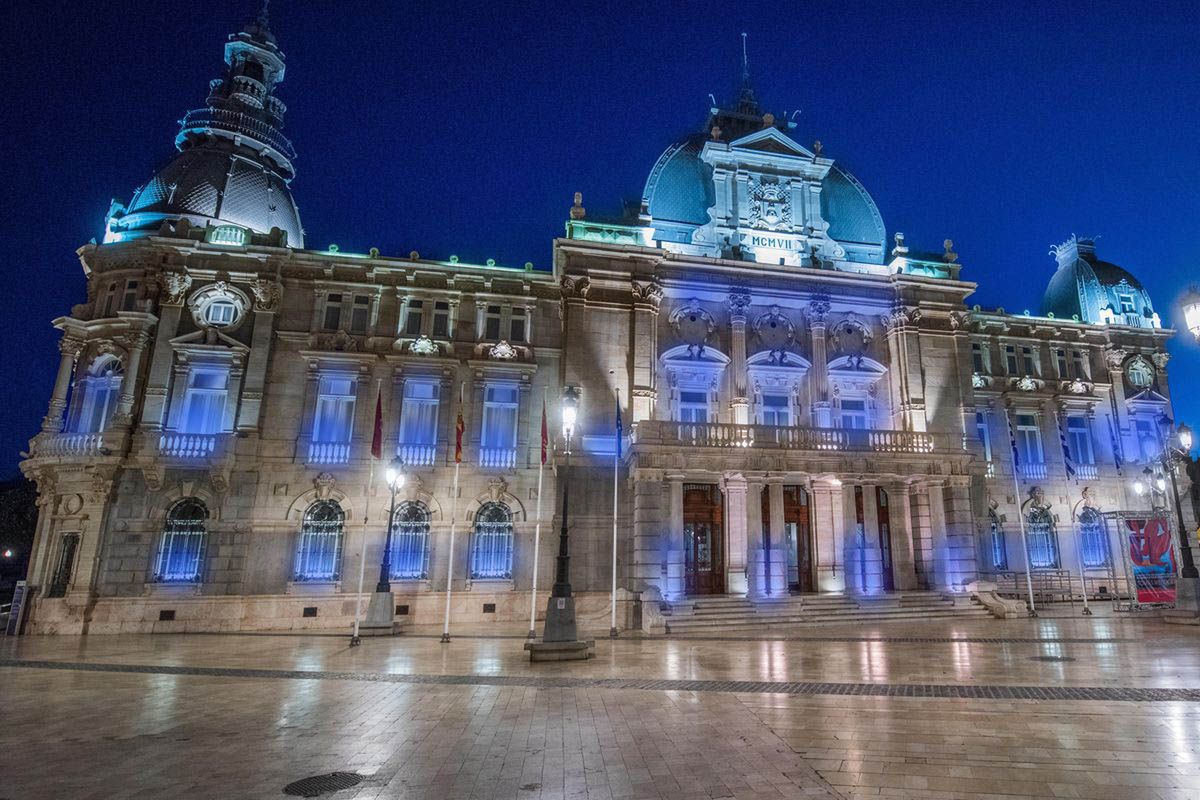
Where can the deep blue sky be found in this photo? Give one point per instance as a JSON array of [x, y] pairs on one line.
[[465, 127]]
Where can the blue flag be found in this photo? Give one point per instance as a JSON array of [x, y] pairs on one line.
[[1012, 440], [619, 431], [1116, 444], [1066, 449]]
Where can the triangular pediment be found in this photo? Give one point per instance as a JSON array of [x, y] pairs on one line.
[[1147, 396], [770, 140]]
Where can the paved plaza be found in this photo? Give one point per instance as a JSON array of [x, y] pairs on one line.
[[1058, 707]]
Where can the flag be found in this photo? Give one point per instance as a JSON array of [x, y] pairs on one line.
[[1012, 441], [459, 427], [1116, 445], [377, 436], [618, 427], [1062, 439], [545, 432]]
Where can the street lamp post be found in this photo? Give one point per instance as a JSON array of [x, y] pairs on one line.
[[1191, 312], [562, 580], [394, 476]]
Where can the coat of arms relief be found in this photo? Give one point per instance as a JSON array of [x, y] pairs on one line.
[[770, 204]]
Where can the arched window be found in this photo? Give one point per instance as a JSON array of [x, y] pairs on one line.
[[181, 551], [98, 394], [996, 532], [1043, 542], [410, 542], [492, 543], [319, 555], [1092, 539]]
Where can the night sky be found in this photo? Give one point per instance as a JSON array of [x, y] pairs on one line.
[[465, 128]]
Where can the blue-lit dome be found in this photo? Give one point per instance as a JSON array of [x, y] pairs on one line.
[[234, 164], [1086, 288]]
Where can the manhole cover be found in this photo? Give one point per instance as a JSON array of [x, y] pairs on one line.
[[318, 785], [1052, 659]]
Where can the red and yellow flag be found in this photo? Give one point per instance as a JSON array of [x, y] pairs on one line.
[[459, 427], [545, 432]]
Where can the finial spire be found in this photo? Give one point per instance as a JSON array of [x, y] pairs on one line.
[[263, 14], [745, 62], [746, 102]]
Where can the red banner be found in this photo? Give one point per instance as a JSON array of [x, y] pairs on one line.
[[1153, 559]]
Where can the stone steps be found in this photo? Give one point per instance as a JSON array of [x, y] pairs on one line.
[[706, 613]]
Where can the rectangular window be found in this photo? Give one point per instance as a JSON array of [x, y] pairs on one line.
[[500, 417], [1029, 439], [517, 325], [110, 299], [1027, 361], [854, 415], [977, 357], [415, 318], [1147, 439], [693, 406], [491, 323], [776, 410], [985, 436], [204, 400], [1010, 359], [333, 312], [1080, 365], [1060, 360], [418, 421], [129, 301], [441, 320], [360, 314], [1126, 302], [334, 421], [1079, 438]]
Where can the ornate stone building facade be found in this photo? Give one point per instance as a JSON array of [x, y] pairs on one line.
[[810, 406]]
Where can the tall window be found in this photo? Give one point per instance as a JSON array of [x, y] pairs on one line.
[[204, 400], [693, 406], [985, 436], [1092, 538], [360, 314], [999, 551], [98, 391], [517, 326], [1147, 439], [854, 415], [1080, 439], [1029, 439], [129, 300], [110, 300], [333, 312], [181, 551], [415, 318], [441, 319], [65, 567], [491, 323], [418, 421], [1060, 360], [1080, 365], [492, 543], [334, 422], [498, 441], [319, 555], [776, 410], [1043, 542], [977, 357], [1027, 361], [1126, 303], [1010, 359], [410, 542]]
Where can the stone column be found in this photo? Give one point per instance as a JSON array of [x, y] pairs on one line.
[[68, 348], [961, 568], [922, 535], [940, 577], [648, 532], [739, 307], [162, 361], [871, 561], [675, 539], [755, 559], [900, 518], [779, 548], [137, 346], [267, 296], [818, 375], [829, 533], [735, 487]]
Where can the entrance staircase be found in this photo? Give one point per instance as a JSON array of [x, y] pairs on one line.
[[721, 611]]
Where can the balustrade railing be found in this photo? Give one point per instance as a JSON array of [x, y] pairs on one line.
[[718, 434], [188, 445], [498, 457], [1086, 472], [72, 444], [328, 452], [417, 455], [1033, 469]]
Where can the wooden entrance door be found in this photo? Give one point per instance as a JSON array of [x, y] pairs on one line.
[[885, 540], [798, 532], [704, 539]]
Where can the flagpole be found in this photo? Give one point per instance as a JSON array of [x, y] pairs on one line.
[[537, 527], [1012, 439], [612, 631], [1069, 469], [458, 431], [355, 640]]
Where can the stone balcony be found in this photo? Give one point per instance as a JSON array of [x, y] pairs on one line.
[[79, 445], [726, 435]]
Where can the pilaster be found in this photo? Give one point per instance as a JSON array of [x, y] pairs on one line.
[[734, 486]]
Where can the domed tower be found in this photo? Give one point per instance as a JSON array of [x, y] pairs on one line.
[[234, 164], [1094, 291]]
